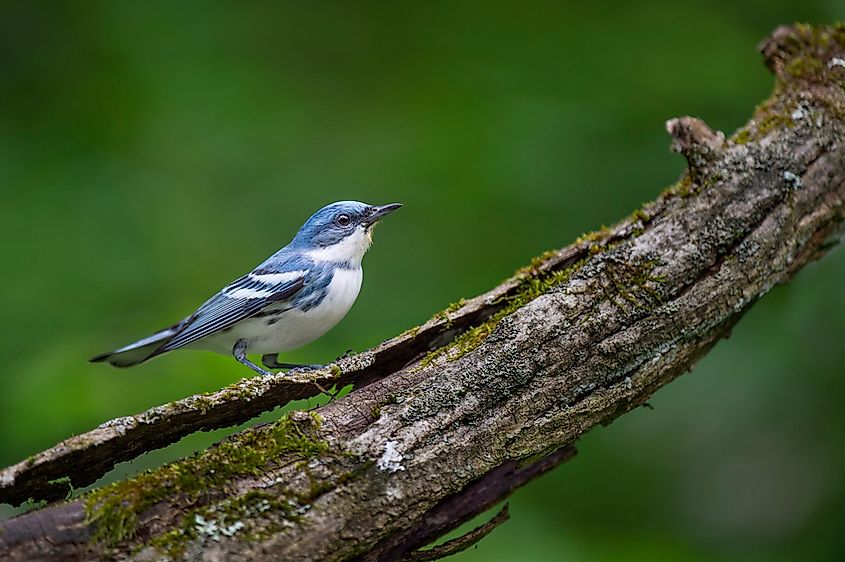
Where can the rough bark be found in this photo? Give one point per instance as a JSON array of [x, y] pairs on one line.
[[427, 439]]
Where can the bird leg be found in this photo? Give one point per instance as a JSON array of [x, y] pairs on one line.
[[239, 351], [271, 361]]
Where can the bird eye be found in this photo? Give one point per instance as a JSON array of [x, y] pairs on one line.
[[343, 220]]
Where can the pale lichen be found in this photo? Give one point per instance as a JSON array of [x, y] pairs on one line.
[[794, 180], [391, 459]]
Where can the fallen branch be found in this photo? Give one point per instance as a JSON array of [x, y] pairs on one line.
[[447, 419], [82, 459]]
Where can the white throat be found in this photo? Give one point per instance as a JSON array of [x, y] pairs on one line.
[[350, 250]]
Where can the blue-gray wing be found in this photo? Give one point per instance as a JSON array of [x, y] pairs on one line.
[[242, 299]]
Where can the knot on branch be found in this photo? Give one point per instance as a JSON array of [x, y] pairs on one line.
[[699, 144], [806, 53]]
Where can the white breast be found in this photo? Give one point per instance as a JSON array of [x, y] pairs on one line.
[[341, 294], [295, 328]]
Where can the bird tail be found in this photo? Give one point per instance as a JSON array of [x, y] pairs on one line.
[[139, 351]]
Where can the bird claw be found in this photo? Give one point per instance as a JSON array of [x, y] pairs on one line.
[[304, 368], [271, 361]]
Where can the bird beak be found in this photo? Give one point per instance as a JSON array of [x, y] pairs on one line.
[[379, 212]]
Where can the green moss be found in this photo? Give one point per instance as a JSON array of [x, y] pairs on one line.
[[319, 486], [412, 332], [683, 188], [62, 482], [687, 186], [225, 519], [455, 306], [771, 121], [633, 284], [238, 391], [534, 266], [639, 219], [444, 314], [203, 403], [253, 516], [390, 399], [809, 48], [803, 67], [113, 510], [173, 542], [641, 215], [594, 237], [538, 261], [800, 57], [742, 136], [533, 283], [770, 115]]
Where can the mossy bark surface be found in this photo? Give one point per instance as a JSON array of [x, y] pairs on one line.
[[448, 418]]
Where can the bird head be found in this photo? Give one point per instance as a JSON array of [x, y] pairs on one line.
[[341, 231]]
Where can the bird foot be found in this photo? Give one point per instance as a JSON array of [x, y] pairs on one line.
[[271, 361]]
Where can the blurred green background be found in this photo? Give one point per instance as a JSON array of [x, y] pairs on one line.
[[150, 152]]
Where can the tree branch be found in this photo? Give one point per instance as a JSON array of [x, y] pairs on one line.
[[461, 543], [447, 419]]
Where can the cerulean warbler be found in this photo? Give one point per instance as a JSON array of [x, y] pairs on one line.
[[294, 297]]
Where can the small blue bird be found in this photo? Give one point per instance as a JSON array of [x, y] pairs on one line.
[[294, 297]]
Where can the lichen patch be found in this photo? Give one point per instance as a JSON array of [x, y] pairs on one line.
[[391, 459]]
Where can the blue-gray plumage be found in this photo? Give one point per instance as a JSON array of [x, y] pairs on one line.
[[292, 298]]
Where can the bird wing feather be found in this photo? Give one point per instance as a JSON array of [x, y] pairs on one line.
[[230, 306]]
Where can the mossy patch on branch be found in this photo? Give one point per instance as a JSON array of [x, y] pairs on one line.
[[634, 283], [770, 115], [807, 49], [683, 188], [533, 283], [114, 509], [376, 410], [444, 315], [226, 519]]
